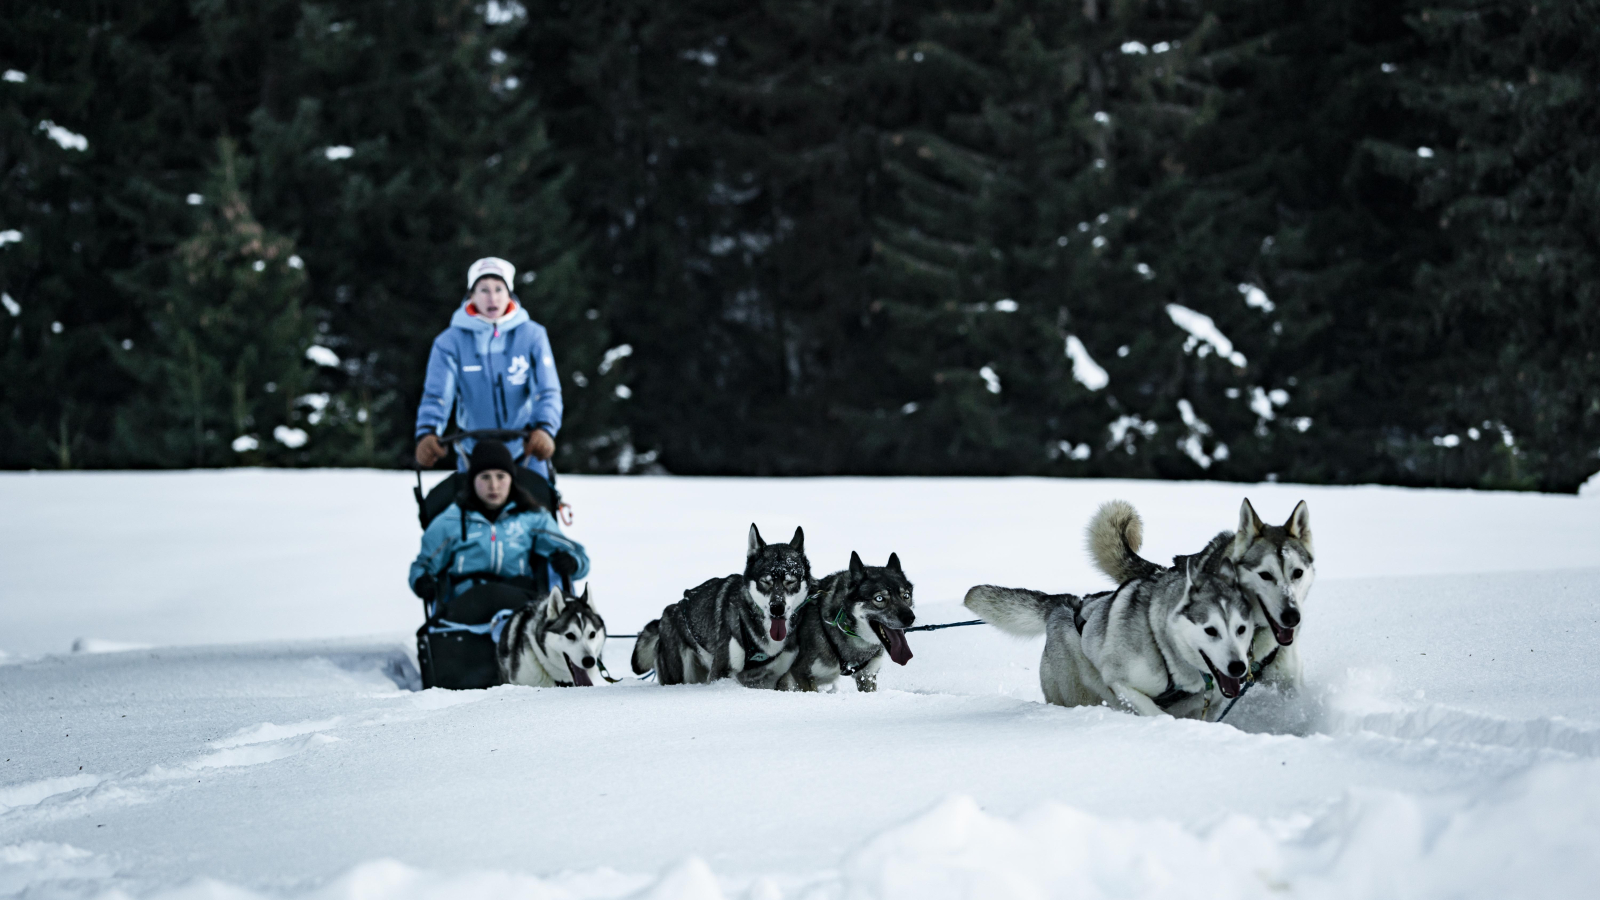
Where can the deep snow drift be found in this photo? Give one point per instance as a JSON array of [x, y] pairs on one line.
[[266, 741]]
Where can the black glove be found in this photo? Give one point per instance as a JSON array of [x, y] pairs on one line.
[[564, 563], [425, 587]]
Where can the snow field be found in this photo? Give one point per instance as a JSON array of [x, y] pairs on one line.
[[1447, 744]]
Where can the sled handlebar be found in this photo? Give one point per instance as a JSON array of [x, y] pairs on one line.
[[484, 434], [497, 434]]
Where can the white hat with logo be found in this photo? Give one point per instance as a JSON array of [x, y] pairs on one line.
[[492, 265]]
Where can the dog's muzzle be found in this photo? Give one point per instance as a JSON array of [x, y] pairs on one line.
[[1284, 634], [780, 625], [580, 678], [1232, 684]]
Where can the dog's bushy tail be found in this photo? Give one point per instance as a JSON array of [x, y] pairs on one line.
[[1115, 534], [644, 647], [1016, 611]]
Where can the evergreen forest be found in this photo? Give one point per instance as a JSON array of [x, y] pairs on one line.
[[1343, 241]]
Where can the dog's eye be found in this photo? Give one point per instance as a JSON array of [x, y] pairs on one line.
[[571, 636], [879, 598], [1212, 631], [1266, 576], [591, 635], [1241, 630], [1298, 573]]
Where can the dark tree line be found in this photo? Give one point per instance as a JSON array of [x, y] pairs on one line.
[[1331, 242]]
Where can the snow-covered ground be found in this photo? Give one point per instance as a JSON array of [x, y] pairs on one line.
[[254, 733]]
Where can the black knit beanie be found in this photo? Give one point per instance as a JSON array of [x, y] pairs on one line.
[[488, 455]]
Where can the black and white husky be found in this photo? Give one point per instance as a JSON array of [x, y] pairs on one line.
[[849, 623], [1167, 641], [733, 626], [554, 641]]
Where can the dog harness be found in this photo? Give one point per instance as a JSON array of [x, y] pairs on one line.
[[1173, 694], [838, 622]]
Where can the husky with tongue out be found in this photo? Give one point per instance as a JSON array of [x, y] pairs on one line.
[[732, 626], [556, 641], [852, 620], [1168, 641]]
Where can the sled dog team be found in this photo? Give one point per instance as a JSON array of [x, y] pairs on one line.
[[1174, 640]]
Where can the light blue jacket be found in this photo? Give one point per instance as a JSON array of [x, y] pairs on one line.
[[495, 376], [500, 547]]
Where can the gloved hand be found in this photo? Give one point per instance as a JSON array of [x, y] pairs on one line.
[[564, 563], [429, 450], [539, 444], [425, 587]]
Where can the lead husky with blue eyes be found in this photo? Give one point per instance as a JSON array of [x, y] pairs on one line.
[[1166, 641], [848, 624], [736, 626]]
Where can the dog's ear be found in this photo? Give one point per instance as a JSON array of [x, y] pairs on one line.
[[756, 543], [1299, 524], [857, 567], [1250, 527], [798, 542], [894, 564], [556, 601], [585, 598]]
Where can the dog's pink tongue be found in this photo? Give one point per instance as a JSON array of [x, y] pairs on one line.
[[899, 650], [580, 678], [1230, 686], [780, 628]]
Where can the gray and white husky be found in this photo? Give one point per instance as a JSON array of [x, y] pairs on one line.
[[554, 641], [732, 626], [1167, 641], [1275, 566], [850, 622]]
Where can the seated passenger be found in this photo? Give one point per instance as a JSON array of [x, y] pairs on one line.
[[494, 534]]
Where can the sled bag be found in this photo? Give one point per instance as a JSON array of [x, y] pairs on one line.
[[459, 659]]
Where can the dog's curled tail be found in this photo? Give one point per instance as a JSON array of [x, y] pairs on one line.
[[1016, 611], [1115, 534], [644, 647]]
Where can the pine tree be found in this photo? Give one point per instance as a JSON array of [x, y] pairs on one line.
[[1276, 222], [1505, 163], [224, 373], [97, 152]]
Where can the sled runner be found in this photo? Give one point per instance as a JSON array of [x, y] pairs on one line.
[[456, 642]]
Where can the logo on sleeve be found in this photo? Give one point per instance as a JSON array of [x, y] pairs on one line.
[[518, 373]]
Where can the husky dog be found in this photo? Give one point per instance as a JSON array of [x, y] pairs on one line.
[[847, 625], [1162, 642], [554, 641], [738, 625], [1276, 567]]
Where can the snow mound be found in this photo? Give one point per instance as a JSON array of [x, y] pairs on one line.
[[1367, 844]]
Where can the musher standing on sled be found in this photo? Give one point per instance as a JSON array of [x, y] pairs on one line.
[[493, 364]]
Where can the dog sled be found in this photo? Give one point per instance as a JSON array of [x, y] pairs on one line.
[[456, 641]]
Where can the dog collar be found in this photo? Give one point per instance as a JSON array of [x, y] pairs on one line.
[[838, 622]]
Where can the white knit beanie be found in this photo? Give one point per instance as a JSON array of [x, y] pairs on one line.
[[493, 265]]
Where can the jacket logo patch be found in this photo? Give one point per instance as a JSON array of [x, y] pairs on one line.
[[518, 373]]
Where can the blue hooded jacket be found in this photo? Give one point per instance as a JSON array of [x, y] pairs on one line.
[[499, 547], [496, 376]]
